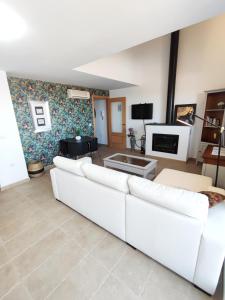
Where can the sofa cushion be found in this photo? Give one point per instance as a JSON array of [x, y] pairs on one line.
[[71, 165], [216, 190], [185, 202], [111, 178], [214, 198], [184, 180]]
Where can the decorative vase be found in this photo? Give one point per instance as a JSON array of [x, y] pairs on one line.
[[132, 141], [78, 137]]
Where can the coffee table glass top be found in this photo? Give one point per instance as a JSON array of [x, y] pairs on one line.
[[130, 160]]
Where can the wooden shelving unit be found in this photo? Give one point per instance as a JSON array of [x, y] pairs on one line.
[[215, 114]]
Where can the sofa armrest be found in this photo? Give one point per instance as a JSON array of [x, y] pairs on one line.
[[54, 183], [212, 250], [71, 165]]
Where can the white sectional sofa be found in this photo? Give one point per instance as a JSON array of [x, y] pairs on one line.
[[170, 224]]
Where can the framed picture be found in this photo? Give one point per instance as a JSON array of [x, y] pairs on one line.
[[41, 115], [41, 121], [186, 113], [39, 110]]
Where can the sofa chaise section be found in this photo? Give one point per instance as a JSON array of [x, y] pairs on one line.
[[184, 180]]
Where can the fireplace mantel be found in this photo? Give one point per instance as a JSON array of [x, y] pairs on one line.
[[183, 145]]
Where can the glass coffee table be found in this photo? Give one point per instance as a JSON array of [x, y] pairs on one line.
[[132, 164]]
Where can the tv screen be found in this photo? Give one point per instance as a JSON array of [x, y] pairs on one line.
[[142, 111]]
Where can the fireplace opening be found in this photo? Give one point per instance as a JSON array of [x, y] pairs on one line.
[[167, 143]]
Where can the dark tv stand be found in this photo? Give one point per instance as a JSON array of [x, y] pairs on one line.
[[73, 148]]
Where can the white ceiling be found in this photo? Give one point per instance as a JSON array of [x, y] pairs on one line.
[[63, 35]]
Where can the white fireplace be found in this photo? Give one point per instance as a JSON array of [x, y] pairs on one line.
[[169, 141]]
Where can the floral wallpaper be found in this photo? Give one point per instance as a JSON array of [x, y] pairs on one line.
[[67, 115]]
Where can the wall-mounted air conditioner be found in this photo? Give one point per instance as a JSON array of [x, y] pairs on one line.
[[77, 94]]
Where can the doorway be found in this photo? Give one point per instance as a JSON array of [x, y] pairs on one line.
[[101, 121], [109, 116], [117, 122]]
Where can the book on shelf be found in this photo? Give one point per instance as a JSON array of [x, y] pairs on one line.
[[216, 149]]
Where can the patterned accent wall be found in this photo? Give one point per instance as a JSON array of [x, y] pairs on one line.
[[67, 115]]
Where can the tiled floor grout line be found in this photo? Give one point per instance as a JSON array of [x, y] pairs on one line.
[[114, 275], [73, 217], [23, 230], [145, 283], [14, 287], [10, 290], [36, 242], [110, 273], [30, 246], [99, 287], [22, 279], [28, 292], [16, 219], [112, 268], [20, 232], [121, 281], [81, 260], [66, 276], [58, 227], [9, 212]]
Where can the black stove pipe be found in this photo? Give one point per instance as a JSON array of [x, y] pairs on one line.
[[174, 44]]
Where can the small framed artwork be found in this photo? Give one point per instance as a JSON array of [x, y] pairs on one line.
[[41, 115], [39, 110], [41, 121], [185, 113]]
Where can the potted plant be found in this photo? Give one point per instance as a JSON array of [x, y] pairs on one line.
[[78, 137]]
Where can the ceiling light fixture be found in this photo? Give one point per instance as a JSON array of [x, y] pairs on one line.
[[12, 26]]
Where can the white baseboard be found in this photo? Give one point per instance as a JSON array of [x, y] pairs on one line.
[[6, 187]]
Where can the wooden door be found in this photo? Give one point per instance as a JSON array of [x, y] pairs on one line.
[[117, 122]]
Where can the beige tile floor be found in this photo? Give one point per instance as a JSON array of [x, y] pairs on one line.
[[48, 251]]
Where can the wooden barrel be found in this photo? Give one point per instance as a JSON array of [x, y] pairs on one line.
[[35, 168]]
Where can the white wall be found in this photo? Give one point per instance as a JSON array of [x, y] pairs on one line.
[[12, 163], [120, 67], [201, 67], [151, 62]]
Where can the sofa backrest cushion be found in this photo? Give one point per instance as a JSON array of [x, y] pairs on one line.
[[111, 178], [185, 202], [71, 165]]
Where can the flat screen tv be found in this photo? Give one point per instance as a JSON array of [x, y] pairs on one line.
[[142, 111]]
